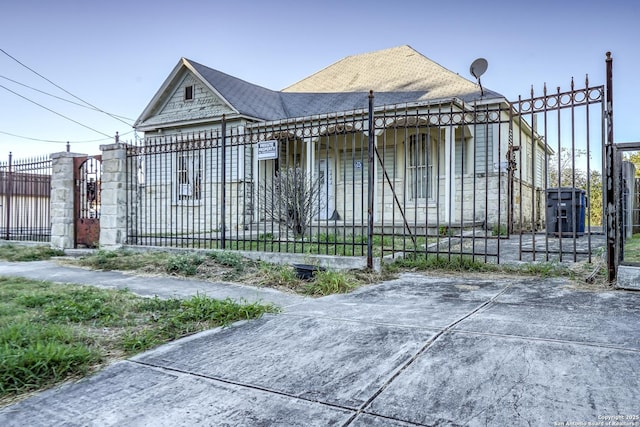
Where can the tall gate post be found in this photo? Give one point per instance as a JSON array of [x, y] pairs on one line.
[[63, 200], [611, 220], [8, 190], [223, 173], [371, 183], [113, 211]]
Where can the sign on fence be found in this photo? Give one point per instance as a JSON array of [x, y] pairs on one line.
[[268, 150]]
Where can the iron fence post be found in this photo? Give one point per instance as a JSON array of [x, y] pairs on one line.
[[370, 184], [223, 173], [8, 195], [611, 222]]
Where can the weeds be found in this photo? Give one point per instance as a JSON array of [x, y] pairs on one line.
[[20, 253], [468, 264], [327, 282], [174, 318], [50, 333], [499, 230], [279, 276], [441, 262], [121, 259], [184, 264], [544, 269], [229, 259], [35, 355]]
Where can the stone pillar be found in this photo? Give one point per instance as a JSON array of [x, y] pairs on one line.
[[62, 200], [113, 196]]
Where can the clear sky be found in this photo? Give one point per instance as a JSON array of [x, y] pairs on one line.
[[115, 54]]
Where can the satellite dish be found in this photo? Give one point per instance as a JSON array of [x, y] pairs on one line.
[[478, 68]]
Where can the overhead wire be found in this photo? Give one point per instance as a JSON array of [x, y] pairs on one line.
[[62, 142], [54, 112], [65, 91], [58, 97]]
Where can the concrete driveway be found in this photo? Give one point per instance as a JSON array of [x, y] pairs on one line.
[[414, 351]]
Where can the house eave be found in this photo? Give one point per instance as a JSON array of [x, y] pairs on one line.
[[415, 105], [198, 122]]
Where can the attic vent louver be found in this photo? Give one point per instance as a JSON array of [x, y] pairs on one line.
[[188, 93]]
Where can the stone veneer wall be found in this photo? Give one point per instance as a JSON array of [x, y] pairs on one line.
[[62, 200], [115, 187]]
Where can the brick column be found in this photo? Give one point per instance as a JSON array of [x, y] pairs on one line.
[[62, 200], [113, 196]]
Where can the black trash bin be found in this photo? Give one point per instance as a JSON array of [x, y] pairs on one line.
[[566, 208]]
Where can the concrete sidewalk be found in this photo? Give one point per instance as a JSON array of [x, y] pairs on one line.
[[413, 351]]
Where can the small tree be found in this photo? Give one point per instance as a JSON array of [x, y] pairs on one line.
[[635, 159], [294, 198]]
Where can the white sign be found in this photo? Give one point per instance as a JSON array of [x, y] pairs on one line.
[[267, 150]]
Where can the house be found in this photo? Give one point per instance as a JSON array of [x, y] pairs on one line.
[[447, 151]]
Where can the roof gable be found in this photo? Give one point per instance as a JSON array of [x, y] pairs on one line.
[[169, 107], [174, 108]]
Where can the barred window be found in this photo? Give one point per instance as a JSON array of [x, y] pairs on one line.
[[189, 176], [420, 168]]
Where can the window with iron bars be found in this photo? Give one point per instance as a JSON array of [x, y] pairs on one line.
[[420, 157], [189, 176]]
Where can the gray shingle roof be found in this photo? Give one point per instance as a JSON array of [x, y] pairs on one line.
[[266, 104], [397, 76], [256, 101], [249, 99]]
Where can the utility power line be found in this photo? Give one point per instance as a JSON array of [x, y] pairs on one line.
[[61, 142], [65, 91], [60, 98], [55, 112]]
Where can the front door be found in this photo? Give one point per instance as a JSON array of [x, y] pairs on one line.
[[324, 168]]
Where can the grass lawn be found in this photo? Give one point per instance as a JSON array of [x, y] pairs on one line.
[[632, 249], [50, 333], [226, 266]]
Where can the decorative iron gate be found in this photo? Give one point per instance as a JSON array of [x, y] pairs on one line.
[[87, 176]]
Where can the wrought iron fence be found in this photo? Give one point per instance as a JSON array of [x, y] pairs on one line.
[[25, 192], [491, 180]]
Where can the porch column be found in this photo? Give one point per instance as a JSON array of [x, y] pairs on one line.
[[449, 178], [62, 200], [310, 145], [310, 161], [113, 209]]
